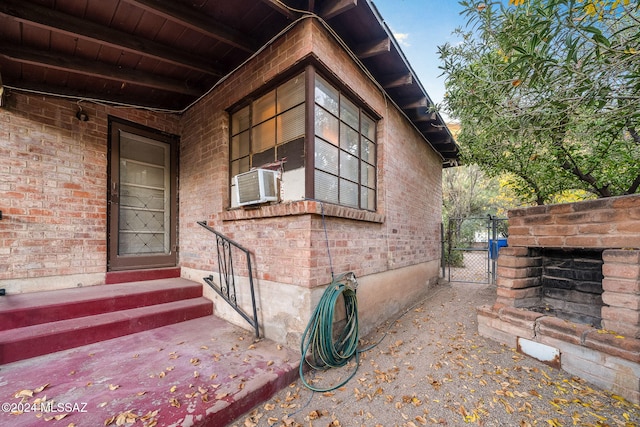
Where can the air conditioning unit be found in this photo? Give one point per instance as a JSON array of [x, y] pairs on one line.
[[256, 186]]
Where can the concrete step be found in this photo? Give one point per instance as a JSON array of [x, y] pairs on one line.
[[201, 372], [20, 310], [46, 338], [41, 323]]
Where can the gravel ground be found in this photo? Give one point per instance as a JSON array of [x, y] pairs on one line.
[[432, 368]]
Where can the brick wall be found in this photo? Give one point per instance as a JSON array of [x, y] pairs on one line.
[[607, 356], [603, 223], [289, 249], [53, 183]]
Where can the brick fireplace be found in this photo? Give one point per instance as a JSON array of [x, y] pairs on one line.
[[569, 284]]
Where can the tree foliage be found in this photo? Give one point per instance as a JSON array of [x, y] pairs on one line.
[[549, 91]]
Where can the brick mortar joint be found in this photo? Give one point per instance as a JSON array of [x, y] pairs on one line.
[[502, 311]]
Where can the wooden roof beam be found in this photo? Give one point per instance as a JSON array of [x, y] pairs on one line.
[[25, 12], [176, 12], [279, 6], [377, 47], [93, 69], [396, 80], [334, 8]]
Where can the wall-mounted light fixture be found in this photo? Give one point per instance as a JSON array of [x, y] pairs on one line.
[[81, 115]]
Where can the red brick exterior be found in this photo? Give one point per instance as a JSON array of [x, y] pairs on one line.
[[53, 184], [289, 239]]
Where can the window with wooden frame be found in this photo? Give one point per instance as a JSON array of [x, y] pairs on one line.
[[339, 146]]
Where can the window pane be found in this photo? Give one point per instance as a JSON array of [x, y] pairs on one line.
[[264, 136], [327, 125], [326, 156], [240, 121], [259, 160], [326, 187], [291, 125], [368, 127], [264, 108], [367, 198], [348, 166], [240, 145], [348, 139], [326, 95], [348, 193], [368, 175], [291, 93], [368, 153], [239, 166], [349, 113]]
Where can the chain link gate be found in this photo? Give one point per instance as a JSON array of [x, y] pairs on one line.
[[470, 248]]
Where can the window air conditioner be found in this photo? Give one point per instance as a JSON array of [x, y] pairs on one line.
[[256, 186]]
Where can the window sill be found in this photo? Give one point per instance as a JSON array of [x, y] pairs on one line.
[[302, 207]]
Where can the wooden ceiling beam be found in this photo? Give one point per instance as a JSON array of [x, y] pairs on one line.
[[334, 8], [31, 13], [279, 6], [94, 69], [377, 47], [397, 80], [119, 98], [176, 12]]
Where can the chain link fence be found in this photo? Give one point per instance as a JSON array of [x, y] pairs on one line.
[[471, 247]]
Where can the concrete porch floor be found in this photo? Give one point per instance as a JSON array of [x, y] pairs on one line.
[[202, 372]]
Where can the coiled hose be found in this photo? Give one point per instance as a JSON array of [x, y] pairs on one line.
[[317, 338]]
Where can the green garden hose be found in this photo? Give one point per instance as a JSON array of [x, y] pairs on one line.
[[318, 337]]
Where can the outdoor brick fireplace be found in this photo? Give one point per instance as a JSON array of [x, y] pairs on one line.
[[569, 284]]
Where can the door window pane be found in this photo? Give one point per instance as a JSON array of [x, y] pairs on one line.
[[144, 212]]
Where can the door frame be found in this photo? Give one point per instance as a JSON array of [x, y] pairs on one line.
[[115, 262]]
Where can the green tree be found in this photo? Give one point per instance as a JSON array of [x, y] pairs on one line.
[[548, 91]]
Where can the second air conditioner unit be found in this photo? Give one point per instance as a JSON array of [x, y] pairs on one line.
[[256, 186]]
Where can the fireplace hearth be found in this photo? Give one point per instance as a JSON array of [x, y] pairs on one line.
[[570, 280], [571, 284]]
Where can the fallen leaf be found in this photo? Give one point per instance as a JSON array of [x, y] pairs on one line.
[[39, 389], [23, 393]]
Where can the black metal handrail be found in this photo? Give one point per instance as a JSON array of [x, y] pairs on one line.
[[227, 277]]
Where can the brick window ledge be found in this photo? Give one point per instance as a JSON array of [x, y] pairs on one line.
[[302, 207]]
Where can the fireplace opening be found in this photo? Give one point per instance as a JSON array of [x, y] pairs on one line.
[[572, 285]]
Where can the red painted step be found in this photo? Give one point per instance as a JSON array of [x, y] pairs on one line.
[[20, 310], [22, 343], [40, 323]]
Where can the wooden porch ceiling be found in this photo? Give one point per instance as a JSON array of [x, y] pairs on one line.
[[164, 54]]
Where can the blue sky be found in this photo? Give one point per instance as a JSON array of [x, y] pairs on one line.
[[420, 26]]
